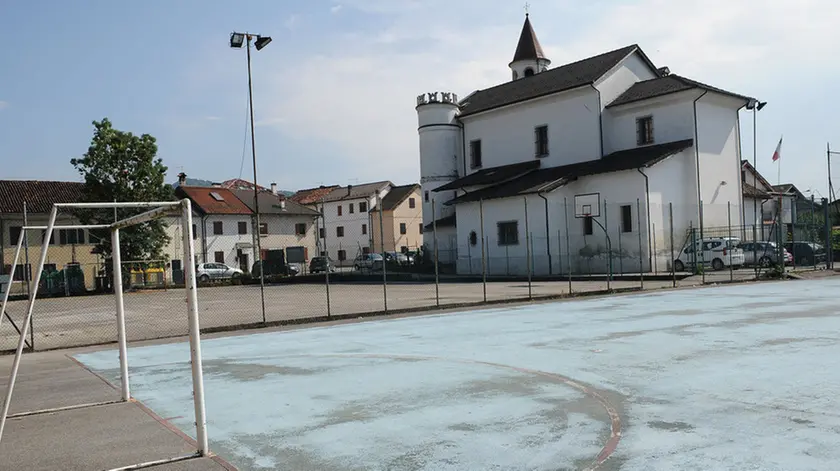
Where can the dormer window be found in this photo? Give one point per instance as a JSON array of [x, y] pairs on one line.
[[529, 72], [644, 130]]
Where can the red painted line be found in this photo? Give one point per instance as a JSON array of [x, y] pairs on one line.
[[615, 419]]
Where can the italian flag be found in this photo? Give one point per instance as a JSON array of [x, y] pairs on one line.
[[778, 154]]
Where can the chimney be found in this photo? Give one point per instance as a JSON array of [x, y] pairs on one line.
[[182, 179], [349, 189], [282, 204], [663, 71], [274, 188]]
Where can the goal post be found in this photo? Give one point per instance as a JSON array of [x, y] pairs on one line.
[[157, 210]]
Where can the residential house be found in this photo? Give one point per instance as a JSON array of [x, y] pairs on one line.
[[222, 228], [284, 225], [345, 228], [601, 146], [401, 212], [32, 201]]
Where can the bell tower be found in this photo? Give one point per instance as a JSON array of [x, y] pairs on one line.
[[529, 58]]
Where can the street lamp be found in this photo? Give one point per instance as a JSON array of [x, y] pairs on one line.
[[755, 106], [236, 42]]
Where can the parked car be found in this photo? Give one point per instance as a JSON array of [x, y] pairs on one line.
[[369, 261], [806, 253], [321, 265], [717, 252], [274, 268], [766, 253], [396, 257], [216, 271]]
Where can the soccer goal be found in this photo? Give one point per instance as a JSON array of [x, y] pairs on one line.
[[180, 208]]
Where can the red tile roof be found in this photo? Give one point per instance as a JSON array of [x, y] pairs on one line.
[[203, 200], [38, 195], [312, 195]]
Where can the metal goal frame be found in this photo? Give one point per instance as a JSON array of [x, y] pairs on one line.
[[160, 209]]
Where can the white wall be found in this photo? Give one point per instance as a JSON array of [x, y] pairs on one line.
[[357, 228], [507, 134], [441, 153], [281, 233], [225, 243], [587, 252], [719, 151], [673, 120], [615, 82]]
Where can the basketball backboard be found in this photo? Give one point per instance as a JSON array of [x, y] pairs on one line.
[[588, 205]]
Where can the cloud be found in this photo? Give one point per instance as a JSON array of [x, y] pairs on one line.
[[357, 89], [336, 8], [4, 104]]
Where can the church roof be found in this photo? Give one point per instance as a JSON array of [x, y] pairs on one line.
[[549, 179], [528, 47], [489, 176], [664, 86], [558, 79]]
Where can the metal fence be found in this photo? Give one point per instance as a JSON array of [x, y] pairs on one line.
[[542, 251]]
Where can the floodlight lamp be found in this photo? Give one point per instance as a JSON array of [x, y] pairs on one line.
[[761, 104], [261, 42], [236, 40]]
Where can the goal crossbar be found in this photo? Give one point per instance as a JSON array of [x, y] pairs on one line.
[[160, 209]]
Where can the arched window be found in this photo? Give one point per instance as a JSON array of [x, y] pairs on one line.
[[473, 238], [529, 72]]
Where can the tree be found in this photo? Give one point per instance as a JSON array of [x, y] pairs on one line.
[[120, 166]]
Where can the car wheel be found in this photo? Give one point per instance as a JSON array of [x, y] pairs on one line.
[[356, 267], [717, 264], [236, 276], [204, 278], [764, 262], [679, 266]]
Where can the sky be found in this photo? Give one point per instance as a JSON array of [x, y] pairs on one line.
[[334, 93]]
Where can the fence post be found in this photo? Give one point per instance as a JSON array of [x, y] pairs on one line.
[[507, 261], [671, 224], [559, 253], [528, 239], [827, 227], [483, 250], [568, 245], [328, 262], [434, 235], [469, 255], [620, 253], [653, 255], [27, 273], [609, 246], [641, 251], [729, 225], [702, 248], [384, 264]]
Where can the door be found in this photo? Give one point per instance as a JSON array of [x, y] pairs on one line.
[[244, 264]]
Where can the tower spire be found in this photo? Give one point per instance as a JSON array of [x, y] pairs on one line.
[[529, 57]]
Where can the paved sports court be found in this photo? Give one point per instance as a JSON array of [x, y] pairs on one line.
[[735, 377]]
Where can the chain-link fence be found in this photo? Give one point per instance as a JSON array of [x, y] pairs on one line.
[[535, 248]]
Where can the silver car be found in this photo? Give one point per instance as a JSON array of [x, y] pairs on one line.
[[216, 271], [767, 253]]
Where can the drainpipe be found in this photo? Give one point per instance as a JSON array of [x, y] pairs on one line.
[[600, 120], [647, 202], [547, 232], [464, 147], [697, 162]]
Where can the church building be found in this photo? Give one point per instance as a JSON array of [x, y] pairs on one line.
[[561, 166]]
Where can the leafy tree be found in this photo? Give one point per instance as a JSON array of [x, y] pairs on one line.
[[120, 166]]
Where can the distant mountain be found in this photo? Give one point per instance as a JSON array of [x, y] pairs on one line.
[[194, 182]]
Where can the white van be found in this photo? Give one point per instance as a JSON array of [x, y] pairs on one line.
[[717, 252]]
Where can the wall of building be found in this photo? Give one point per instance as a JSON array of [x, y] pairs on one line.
[[615, 82], [673, 120], [356, 226], [441, 152], [402, 214], [507, 134], [282, 233], [228, 242], [720, 160]]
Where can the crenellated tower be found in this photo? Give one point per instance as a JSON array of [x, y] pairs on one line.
[[440, 149]]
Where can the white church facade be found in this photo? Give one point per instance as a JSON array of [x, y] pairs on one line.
[[612, 136]]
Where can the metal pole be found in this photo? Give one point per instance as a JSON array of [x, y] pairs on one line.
[[258, 255], [483, 249], [655, 264], [568, 244], [609, 246], [671, 223], [327, 256], [827, 226], [729, 225], [755, 198], [620, 254], [195, 330], [437, 273], [382, 245], [26, 322], [27, 273], [527, 247], [641, 250], [702, 247], [116, 259]]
